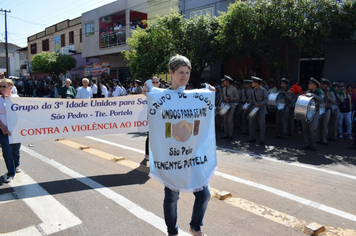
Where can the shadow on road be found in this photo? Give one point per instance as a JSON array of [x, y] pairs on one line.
[[289, 149]]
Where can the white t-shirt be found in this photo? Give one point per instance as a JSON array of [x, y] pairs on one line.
[[84, 92], [3, 109], [104, 91], [117, 91], [94, 89]]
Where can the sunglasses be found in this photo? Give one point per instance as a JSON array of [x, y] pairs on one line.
[[3, 86], [155, 82]]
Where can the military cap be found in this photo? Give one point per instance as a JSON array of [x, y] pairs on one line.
[[247, 81], [228, 78], [336, 84], [256, 79], [237, 83], [138, 81], [285, 80], [325, 81], [314, 81]]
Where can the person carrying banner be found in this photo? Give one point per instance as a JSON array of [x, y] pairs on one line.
[[179, 70], [10, 152]]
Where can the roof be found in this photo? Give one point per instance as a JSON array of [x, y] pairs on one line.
[[9, 46]]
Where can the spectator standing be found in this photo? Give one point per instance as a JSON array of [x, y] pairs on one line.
[[94, 88], [335, 111], [345, 114], [85, 90], [67, 91], [104, 90], [352, 95], [138, 88], [117, 91]]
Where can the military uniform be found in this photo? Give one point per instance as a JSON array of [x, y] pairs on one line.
[[231, 93], [259, 96], [245, 96], [282, 116], [329, 98], [309, 129]]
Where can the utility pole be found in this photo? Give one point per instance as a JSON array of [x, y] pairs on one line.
[[6, 47]]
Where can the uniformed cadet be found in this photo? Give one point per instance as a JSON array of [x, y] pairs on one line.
[[309, 129], [282, 116], [329, 99], [335, 111], [259, 99], [237, 115], [245, 96], [230, 96]]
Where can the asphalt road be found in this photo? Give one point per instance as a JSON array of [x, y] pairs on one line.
[[277, 189]]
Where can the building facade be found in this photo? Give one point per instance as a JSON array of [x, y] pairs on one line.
[[195, 8], [64, 37], [107, 28], [13, 59]]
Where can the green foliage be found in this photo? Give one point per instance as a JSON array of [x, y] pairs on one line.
[[52, 63], [279, 32], [171, 34]]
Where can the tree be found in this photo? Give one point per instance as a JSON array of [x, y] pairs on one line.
[[52, 63], [279, 32], [173, 34]]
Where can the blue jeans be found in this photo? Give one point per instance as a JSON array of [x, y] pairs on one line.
[[11, 154], [170, 209], [347, 117]]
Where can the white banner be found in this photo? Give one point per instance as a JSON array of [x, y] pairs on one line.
[[31, 119], [182, 138]]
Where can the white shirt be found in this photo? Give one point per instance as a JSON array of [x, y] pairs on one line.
[[104, 91], [84, 92], [3, 110], [94, 89], [117, 91], [14, 89]]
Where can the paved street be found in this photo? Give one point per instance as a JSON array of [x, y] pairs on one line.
[[68, 189]]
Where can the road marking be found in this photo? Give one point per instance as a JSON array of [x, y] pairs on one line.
[[39, 200], [330, 230], [130, 206], [116, 145], [272, 190], [292, 197], [292, 163]]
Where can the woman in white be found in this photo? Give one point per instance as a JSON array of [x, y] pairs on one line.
[[10, 152]]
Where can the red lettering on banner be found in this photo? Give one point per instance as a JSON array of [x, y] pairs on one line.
[[65, 129], [39, 131], [94, 126]]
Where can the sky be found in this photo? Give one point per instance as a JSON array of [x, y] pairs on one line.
[[29, 17]]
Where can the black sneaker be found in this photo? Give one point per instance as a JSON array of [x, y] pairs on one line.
[[8, 179]]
